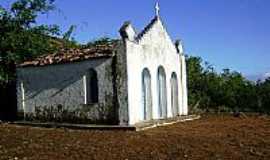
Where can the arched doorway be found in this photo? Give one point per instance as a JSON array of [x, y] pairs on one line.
[[147, 94], [174, 95], [162, 93]]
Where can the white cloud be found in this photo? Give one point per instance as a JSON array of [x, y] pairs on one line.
[[266, 75]]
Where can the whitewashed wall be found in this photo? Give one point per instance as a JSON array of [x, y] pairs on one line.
[[62, 84], [153, 49]]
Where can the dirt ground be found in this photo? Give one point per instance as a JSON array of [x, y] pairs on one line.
[[211, 137]]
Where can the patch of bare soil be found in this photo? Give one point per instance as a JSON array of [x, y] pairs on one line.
[[212, 137]]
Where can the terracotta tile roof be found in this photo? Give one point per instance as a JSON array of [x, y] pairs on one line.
[[72, 55]]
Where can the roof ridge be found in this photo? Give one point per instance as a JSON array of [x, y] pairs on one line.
[[147, 28]]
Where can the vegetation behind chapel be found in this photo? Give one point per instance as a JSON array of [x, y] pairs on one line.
[[228, 91]]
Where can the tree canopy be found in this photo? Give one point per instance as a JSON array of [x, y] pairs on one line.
[[22, 38], [225, 91]]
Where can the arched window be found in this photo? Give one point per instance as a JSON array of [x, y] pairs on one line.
[[174, 95], [91, 87], [147, 94], [162, 92]]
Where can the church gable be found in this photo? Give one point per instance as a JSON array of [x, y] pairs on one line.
[[154, 34]]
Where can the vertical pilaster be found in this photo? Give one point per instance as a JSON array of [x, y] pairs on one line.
[[184, 86]]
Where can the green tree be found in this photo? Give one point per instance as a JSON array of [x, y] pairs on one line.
[[69, 41], [100, 41], [263, 92], [21, 37], [194, 81], [225, 91]]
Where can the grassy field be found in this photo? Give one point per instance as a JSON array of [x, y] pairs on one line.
[[211, 137]]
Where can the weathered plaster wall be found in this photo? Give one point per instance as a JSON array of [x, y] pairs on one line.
[[152, 50], [64, 84], [121, 83]]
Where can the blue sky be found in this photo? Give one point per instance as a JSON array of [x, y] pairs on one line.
[[227, 33]]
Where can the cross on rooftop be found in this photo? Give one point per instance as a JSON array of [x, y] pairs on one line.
[[157, 9]]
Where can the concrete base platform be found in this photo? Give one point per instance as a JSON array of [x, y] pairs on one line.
[[77, 126], [163, 122], [137, 127]]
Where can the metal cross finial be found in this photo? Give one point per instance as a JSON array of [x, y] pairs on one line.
[[157, 9]]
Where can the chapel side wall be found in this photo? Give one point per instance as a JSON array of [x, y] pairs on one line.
[[64, 84], [154, 49]]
